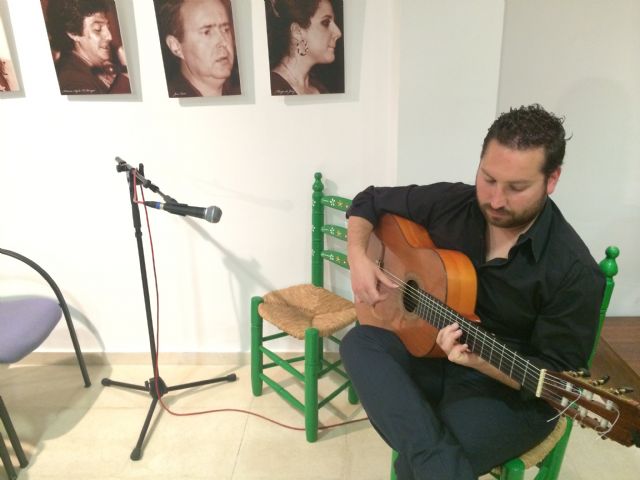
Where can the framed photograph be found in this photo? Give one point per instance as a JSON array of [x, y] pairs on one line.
[[86, 46], [306, 49], [8, 79], [198, 45]]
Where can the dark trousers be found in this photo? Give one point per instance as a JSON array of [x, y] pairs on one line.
[[444, 420]]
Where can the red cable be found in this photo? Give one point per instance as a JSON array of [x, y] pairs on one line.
[[156, 360]]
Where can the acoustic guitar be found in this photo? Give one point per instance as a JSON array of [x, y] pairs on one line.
[[436, 288]]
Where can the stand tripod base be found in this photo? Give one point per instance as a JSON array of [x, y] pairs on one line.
[[156, 392]]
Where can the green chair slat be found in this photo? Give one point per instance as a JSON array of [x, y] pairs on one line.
[[338, 258], [335, 231], [338, 203]]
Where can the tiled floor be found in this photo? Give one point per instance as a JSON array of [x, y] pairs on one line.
[[73, 433]]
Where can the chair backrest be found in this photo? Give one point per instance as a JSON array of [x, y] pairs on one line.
[[610, 268], [320, 229], [31, 337]]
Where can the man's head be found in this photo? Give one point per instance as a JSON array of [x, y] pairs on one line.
[[520, 165], [200, 34], [81, 26]]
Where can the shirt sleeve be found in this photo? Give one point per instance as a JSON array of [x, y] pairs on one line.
[[373, 202], [413, 202]]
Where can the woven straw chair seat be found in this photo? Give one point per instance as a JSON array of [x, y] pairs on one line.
[[294, 309], [540, 451]]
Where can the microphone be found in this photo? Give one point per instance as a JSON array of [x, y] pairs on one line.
[[210, 214]]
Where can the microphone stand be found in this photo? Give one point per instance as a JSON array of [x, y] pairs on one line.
[[155, 386]]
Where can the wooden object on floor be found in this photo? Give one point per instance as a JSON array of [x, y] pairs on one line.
[[618, 354]]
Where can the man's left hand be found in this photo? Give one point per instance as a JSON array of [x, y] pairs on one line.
[[448, 340]]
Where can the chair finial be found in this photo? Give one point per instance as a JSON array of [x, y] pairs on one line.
[[317, 184], [609, 265]]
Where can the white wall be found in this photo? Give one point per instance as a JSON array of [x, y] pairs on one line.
[[449, 69], [581, 59], [464, 62], [254, 156], [423, 83]]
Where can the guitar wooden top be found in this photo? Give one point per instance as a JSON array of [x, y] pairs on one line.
[[405, 250]]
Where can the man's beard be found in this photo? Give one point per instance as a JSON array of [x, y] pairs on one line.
[[504, 218]]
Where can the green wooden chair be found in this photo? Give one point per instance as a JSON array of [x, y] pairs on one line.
[[310, 313], [548, 455]]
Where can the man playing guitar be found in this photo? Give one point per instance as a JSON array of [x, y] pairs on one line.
[[538, 292]]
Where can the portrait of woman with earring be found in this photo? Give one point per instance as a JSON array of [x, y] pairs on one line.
[[304, 34]]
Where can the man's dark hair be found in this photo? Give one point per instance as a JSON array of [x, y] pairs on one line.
[[170, 20], [67, 16], [530, 127]]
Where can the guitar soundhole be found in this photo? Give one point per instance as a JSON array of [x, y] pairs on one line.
[[409, 296]]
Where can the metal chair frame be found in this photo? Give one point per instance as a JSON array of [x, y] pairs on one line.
[[4, 413]]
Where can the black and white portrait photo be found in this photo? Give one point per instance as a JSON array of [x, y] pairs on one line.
[[198, 45], [86, 46], [306, 52]]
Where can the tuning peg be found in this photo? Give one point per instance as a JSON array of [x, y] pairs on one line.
[[621, 390], [600, 381], [581, 373]]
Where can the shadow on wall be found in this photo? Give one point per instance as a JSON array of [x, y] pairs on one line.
[[245, 272]]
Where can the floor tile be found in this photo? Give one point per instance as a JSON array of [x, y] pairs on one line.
[[71, 433]]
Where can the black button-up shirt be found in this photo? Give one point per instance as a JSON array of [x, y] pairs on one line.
[[543, 300]]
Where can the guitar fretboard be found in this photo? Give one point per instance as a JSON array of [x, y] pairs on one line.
[[480, 342]]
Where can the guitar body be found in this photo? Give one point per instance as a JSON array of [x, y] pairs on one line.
[[406, 250]]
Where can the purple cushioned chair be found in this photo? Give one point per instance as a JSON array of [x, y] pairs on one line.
[[25, 322]]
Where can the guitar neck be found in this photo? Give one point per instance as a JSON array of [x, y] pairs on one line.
[[482, 343], [613, 417]]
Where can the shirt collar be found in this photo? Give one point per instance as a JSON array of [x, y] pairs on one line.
[[538, 234]]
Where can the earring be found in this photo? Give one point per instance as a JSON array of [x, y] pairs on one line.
[[302, 48]]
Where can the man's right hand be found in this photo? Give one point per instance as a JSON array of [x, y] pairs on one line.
[[366, 276]]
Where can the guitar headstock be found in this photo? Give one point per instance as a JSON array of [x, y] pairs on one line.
[[592, 405]]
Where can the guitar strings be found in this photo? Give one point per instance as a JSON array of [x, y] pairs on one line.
[[523, 368], [432, 305], [435, 306]]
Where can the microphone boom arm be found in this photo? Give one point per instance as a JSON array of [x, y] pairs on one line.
[[146, 183]]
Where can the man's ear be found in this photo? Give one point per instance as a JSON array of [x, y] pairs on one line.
[[74, 38], [174, 45], [552, 181]]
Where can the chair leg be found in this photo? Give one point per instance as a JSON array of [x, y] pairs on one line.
[[513, 470], [256, 344], [311, 369], [6, 460], [352, 395], [394, 456], [15, 443], [74, 340], [550, 466]]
